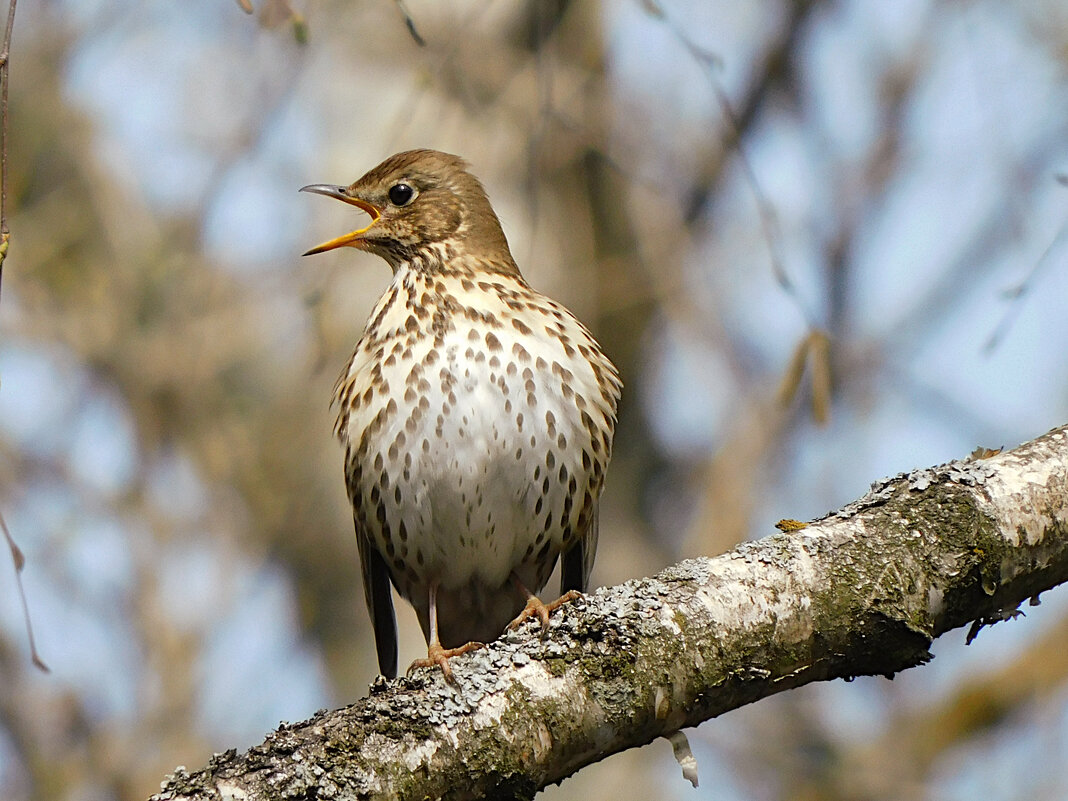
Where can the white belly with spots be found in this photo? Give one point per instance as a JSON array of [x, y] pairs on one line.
[[483, 492], [473, 451]]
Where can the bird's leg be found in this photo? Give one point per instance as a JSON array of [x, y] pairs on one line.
[[535, 607], [436, 654]]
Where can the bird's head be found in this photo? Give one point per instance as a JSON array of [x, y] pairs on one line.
[[422, 203]]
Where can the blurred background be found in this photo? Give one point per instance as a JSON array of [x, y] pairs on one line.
[[824, 241]]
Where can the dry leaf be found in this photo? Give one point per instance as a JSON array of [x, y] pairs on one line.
[[819, 347], [791, 379]]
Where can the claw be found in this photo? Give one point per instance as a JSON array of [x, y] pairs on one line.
[[536, 608], [436, 655]]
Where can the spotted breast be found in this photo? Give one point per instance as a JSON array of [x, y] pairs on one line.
[[477, 418]]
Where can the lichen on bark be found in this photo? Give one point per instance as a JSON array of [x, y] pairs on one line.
[[863, 590]]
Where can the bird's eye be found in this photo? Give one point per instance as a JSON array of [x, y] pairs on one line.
[[400, 194]]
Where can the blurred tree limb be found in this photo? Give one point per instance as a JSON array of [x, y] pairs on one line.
[[17, 559], [5, 52], [862, 591]]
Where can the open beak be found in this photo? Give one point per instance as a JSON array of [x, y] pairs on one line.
[[342, 193]]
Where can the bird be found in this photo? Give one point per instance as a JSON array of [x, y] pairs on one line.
[[476, 415]]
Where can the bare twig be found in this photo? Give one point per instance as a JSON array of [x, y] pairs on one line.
[[410, 23], [1015, 294], [19, 561], [5, 50], [711, 63]]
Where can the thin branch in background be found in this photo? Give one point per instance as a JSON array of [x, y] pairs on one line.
[[19, 561], [653, 8], [419, 40], [768, 219], [1015, 293], [712, 64], [5, 51], [990, 103]]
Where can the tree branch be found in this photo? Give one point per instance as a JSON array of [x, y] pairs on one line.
[[861, 592], [5, 54]]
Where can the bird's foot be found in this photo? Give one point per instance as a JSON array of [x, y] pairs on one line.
[[536, 608], [436, 655]]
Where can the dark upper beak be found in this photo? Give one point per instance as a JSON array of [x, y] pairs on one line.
[[343, 194]]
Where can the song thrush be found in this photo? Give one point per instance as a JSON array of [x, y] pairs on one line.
[[476, 414]]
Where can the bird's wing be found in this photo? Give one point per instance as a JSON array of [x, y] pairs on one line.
[[379, 596], [577, 563]]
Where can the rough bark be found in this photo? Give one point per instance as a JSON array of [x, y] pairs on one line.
[[862, 591]]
